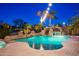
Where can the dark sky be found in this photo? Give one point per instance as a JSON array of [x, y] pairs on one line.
[[27, 12]]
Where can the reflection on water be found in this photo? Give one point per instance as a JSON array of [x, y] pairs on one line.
[[45, 42], [51, 47], [46, 46]]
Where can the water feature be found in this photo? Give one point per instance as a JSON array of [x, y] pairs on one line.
[[45, 42], [57, 33]]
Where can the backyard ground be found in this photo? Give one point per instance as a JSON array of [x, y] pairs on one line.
[[70, 48]]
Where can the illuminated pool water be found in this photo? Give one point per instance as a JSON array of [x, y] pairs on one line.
[[2, 44], [47, 42]]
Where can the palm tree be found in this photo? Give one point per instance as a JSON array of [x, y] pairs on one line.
[[50, 16], [75, 24], [69, 30]]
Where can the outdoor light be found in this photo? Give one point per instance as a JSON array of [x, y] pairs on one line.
[[43, 18], [48, 8], [64, 23], [47, 11], [50, 4]]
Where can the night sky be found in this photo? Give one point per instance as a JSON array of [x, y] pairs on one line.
[[28, 12]]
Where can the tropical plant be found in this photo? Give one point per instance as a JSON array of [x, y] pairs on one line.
[[38, 27], [5, 30], [27, 28], [75, 24], [50, 16], [76, 27]]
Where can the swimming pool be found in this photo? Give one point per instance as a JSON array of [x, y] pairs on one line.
[[47, 42], [2, 44]]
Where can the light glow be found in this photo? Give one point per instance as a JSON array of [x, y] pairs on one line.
[[43, 17], [50, 4], [64, 23], [48, 8]]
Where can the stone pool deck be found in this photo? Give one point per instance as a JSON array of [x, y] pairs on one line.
[[71, 48]]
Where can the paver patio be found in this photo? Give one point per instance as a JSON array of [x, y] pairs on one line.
[[70, 48]]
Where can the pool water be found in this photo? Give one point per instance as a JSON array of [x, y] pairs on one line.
[[47, 42], [2, 44]]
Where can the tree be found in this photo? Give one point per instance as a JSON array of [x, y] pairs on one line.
[[38, 27], [1, 23], [18, 23], [5, 30], [76, 27], [27, 28], [75, 24], [50, 16]]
